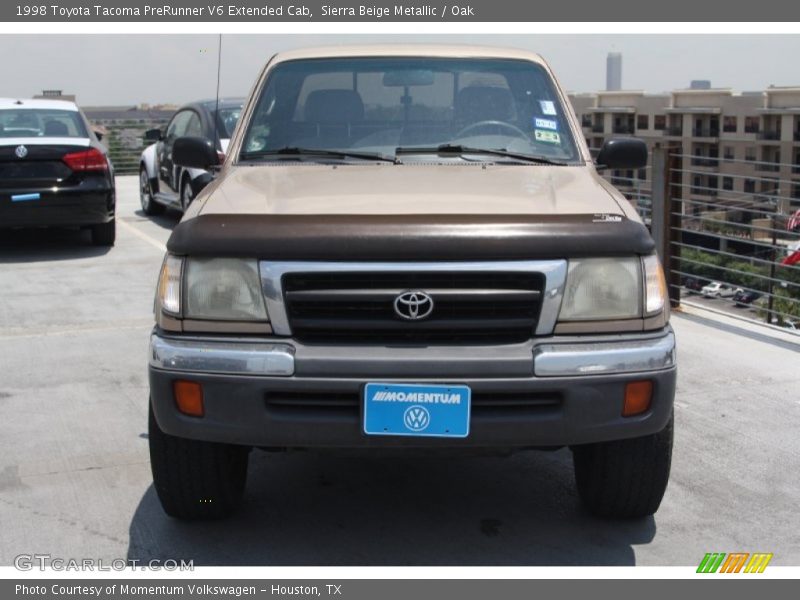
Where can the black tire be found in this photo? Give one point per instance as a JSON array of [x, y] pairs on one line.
[[187, 193], [149, 206], [624, 478], [104, 234], [196, 480]]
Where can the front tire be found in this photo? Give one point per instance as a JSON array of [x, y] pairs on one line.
[[193, 479], [624, 478], [104, 234]]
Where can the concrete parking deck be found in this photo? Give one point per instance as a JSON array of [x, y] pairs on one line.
[[75, 480]]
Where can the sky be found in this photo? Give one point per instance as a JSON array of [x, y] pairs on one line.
[[178, 68]]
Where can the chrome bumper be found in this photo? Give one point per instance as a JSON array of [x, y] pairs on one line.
[[548, 359], [225, 358], [604, 358]]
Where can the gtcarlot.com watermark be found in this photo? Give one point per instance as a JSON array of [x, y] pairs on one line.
[[42, 562]]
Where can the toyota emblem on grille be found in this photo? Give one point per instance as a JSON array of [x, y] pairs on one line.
[[21, 151], [413, 305]]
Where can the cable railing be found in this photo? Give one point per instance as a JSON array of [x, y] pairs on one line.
[[736, 238], [729, 249], [125, 143]]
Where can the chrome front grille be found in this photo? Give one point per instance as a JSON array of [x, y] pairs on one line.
[[478, 303], [467, 307]]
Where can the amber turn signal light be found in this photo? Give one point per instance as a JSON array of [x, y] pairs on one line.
[[638, 395], [189, 397]]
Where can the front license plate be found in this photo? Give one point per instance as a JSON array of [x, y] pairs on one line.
[[416, 410]]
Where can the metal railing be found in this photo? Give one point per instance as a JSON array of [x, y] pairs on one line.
[[769, 135], [125, 143], [705, 234], [705, 132], [735, 238]]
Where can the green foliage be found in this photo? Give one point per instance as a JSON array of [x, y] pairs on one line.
[[743, 273]]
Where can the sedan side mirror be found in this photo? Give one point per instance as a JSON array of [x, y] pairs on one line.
[[152, 135], [622, 153], [195, 153]]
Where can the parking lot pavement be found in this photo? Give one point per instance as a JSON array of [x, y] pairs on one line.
[[75, 481]]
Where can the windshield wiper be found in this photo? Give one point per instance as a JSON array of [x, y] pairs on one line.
[[459, 149], [294, 151]]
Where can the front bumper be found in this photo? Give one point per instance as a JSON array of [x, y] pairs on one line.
[[554, 391]]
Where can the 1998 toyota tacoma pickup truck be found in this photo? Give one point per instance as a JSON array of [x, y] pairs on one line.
[[410, 248]]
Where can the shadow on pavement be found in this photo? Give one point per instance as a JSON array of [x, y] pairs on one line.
[[313, 509], [33, 245], [167, 220], [744, 332]]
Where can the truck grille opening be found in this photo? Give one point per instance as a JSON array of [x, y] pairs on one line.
[[468, 307], [485, 405]]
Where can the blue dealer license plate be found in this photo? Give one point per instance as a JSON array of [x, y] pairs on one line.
[[417, 410]]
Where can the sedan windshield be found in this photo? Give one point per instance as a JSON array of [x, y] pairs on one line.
[[508, 108]]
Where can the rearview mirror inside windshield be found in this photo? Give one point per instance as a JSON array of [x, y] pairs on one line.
[[408, 77]]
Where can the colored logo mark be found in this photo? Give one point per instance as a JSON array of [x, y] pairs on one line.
[[735, 562]]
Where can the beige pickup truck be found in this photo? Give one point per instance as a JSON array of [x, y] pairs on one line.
[[410, 248]]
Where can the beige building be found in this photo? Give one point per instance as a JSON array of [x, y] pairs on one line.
[[737, 150]]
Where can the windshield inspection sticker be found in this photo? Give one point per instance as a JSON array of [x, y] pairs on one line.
[[549, 137], [548, 107], [545, 123]]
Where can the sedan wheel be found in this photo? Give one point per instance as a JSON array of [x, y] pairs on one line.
[[186, 195], [149, 206]]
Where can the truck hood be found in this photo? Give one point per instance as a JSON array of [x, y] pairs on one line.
[[408, 213], [414, 189]]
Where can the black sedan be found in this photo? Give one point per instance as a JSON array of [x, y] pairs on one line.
[[745, 297], [54, 172]]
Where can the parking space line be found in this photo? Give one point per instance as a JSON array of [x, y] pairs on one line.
[[141, 235]]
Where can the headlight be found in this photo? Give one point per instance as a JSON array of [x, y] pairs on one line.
[[602, 289], [169, 285], [655, 285], [224, 289]]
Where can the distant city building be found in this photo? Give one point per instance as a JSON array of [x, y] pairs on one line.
[[700, 84], [129, 115], [55, 95], [738, 150], [614, 71]]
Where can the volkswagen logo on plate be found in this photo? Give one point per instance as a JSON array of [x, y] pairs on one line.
[[21, 151], [416, 418], [413, 306]]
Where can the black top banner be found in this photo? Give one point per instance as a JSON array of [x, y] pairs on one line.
[[38, 11]]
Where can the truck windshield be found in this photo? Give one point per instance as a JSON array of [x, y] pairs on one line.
[[377, 105]]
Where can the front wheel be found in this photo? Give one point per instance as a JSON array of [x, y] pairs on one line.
[[193, 479], [624, 478]]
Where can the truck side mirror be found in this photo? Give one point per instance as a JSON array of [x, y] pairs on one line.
[[622, 153]]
